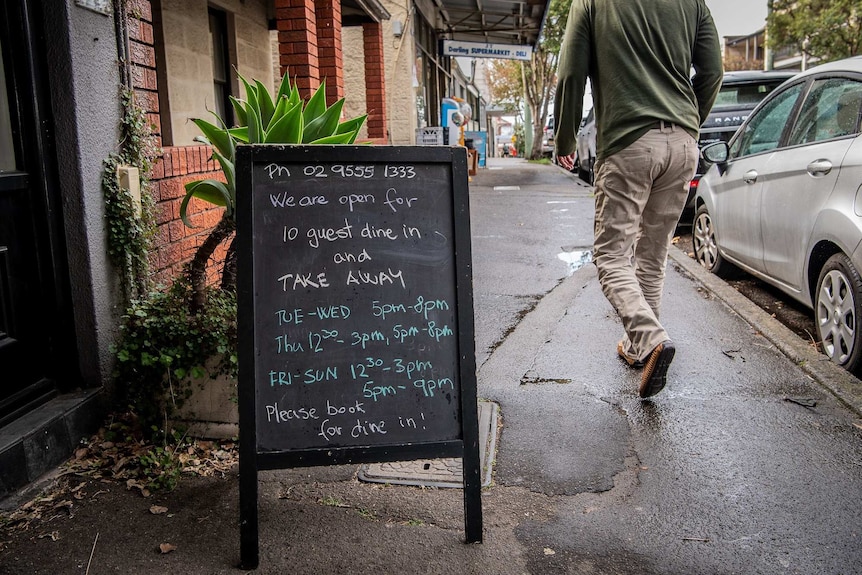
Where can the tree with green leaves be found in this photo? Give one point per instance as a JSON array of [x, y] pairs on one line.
[[532, 84], [823, 29], [504, 83]]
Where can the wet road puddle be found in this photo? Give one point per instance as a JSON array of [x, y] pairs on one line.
[[576, 258]]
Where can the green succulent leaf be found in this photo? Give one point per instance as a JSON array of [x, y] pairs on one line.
[[316, 104], [218, 137], [255, 130], [252, 112], [352, 125], [284, 88], [295, 98], [212, 191], [281, 108], [288, 129], [240, 134], [227, 166], [239, 110], [336, 139], [267, 107], [325, 124]]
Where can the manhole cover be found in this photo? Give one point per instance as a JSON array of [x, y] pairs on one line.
[[444, 472]]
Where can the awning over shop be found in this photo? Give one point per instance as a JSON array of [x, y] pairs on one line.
[[492, 21]]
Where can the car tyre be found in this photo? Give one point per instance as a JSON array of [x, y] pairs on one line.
[[703, 241], [587, 174], [838, 312]]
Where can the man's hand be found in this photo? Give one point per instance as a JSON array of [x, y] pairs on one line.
[[567, 162]]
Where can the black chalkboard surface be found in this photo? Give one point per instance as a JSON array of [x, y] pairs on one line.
[[355, 307]]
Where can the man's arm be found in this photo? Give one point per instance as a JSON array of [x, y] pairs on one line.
[[572, 75], [708, 70]]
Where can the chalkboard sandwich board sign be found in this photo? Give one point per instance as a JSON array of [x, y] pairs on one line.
[[355, 313]]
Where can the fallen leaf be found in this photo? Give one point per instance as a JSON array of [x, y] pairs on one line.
[[131, 483], [53, 535], [857, 424], [549, 551], [158, 509], [167, 548]]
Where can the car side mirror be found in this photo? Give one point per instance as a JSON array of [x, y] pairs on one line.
[[716, 153]]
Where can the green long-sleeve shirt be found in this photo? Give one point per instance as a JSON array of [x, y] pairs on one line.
[[638, 55]]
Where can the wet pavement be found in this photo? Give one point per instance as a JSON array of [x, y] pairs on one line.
[[747, 463]]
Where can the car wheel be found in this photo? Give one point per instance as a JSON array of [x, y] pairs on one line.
[[838, 311], [703, 241], [583, 174]]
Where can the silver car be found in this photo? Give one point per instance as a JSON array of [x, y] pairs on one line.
[[784, 201], [586, 148]]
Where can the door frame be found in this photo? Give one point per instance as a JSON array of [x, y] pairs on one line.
[[27, 69]]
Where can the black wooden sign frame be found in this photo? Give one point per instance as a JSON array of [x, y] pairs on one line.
[[352, 162]]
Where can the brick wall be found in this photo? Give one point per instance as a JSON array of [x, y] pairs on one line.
[[175, 243], [375, 80], [331, 57], [297, 39]]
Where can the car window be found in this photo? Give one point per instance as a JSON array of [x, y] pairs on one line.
[[764, 128], [831, 110]]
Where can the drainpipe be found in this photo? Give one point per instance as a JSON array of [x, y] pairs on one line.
[[121, 31]]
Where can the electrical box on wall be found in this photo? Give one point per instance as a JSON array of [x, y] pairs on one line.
[[129, 178]]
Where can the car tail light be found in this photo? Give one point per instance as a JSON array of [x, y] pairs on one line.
[[692, 185]]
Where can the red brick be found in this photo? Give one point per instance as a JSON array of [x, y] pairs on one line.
[[184, 164], [158, 171], [176, 230], [142, 54], [145, 34], [140, 9]]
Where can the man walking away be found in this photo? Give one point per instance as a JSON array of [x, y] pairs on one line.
[[638, 55]]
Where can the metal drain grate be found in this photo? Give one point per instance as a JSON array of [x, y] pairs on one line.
[[445, 472]]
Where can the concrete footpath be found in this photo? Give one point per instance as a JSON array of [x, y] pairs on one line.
[[749, 462]]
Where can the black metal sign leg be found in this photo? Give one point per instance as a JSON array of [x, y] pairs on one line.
[[248, 533], [472, 494]]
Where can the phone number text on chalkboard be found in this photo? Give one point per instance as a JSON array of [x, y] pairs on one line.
[[277, 171]]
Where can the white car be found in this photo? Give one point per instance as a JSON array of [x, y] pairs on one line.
[[783, 201]]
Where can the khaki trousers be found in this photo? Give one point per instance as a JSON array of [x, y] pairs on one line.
[[640, 193]]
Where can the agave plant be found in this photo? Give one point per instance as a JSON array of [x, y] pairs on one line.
[[262, 119], [267, 120]]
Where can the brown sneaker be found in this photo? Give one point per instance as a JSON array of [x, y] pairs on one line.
[[655, 371], [636, 363]]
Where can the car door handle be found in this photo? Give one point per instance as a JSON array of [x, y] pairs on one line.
[[750, 177], [819, 167]]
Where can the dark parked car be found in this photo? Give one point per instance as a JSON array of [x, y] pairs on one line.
[[739, 94], [784, 201]]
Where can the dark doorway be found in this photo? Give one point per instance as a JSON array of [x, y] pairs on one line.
[[37, 345]]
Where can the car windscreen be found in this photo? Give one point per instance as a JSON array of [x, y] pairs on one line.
[[743, 95]]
